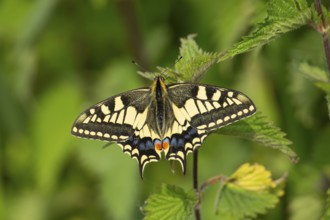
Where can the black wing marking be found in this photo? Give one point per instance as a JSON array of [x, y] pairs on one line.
[[200, 109]]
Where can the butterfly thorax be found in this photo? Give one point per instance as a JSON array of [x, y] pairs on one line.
[[160, 104]]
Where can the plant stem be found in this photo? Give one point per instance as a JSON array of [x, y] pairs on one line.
[[324, 31], [195, 183]]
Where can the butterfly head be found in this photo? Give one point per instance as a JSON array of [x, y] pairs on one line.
[[158, 86]]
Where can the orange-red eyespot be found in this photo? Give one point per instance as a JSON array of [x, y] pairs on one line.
[[158, 145], [166, 143]]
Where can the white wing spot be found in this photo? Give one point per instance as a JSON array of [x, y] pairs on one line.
[[143, 158], [75, 129], [81, 131], [175, 127], [188, 146], [94, 118], [201, 94], [196, 140], [245, 111], [201, 107], [185, 113], [142, 119], [180, 154], [230, 102], [128, 147], [233, 116], [86, 120], [219, 121], [120, 118], [226, 118], [178, 114], [114, 137], [212, 124], [191, 107], [106, 135], [146, 131], [201, 127], [92, 111], [135, 151], [230, 94], [106, 118], [114, 118], [105, 109], [86, 132], [203, 137], [209, 106], [216, 105], [130, 115], [251, 108], [225, 104], [201, 131], [118, 103], [99, 120], [240, 113], [99, 134], [237, 102], [92, 133], [216, 95]]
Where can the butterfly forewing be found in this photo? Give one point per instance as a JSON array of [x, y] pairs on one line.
[[207, 107]]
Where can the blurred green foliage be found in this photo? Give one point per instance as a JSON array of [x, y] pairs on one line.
[[59, 57]]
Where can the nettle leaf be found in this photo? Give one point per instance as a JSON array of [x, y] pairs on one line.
[[248, 192], [195, 61], [258, 129], [171, 202], [282, 16], [192, 64]]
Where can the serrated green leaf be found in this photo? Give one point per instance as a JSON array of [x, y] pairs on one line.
[[326, 215], [239, 203], [192, 64], [171, 202], [256, 128], [283, 16], [195, 61], [248, 192]]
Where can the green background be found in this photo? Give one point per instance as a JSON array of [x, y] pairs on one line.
[[59, 57]]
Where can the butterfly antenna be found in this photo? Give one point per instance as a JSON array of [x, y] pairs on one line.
[[145, 71], [139, 66], [176, 74]]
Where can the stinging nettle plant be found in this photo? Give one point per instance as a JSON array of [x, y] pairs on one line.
[[250, 190]]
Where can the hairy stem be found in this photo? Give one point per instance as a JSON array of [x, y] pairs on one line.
[[324, 31], [195, 184]]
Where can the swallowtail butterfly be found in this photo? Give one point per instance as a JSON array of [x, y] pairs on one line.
[[174, 119]]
